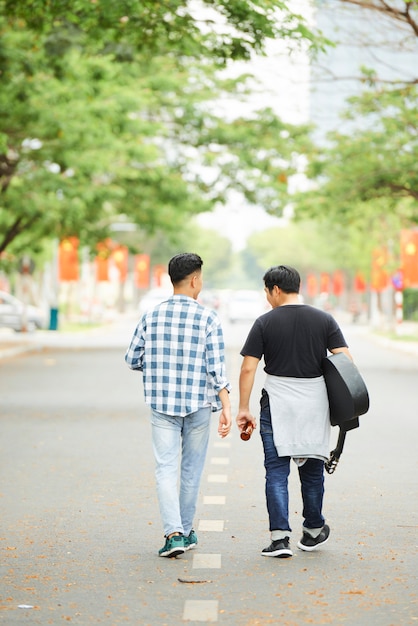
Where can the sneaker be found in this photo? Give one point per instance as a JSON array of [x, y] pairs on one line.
[[173, 547], [190, 541], [309, 543], [279, 548]]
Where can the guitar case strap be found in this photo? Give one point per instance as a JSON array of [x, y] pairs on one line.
[[332, 462], [348, 398]]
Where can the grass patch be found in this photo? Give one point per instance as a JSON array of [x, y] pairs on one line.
[[74, 327], [393, 336]]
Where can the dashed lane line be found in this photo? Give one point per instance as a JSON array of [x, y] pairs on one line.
[[214, 499], [208, 610], [222, 444], [208, 561], [211, 525], [201, 610], [219, 460], [217, 478]]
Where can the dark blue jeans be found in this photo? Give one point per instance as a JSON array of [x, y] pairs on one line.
[[311, 476]]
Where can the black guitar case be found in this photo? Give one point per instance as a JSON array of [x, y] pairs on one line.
[[348, 398]]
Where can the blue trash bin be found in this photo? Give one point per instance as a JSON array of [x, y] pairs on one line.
[[53, 319]]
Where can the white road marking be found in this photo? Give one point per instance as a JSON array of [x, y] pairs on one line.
[[214, 499], [222, 444], [211, 525], [217, 478], [210, 561], [201, 610], [208, 610]]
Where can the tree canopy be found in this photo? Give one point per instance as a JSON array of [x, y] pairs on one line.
[[106, 114], [364, 181]]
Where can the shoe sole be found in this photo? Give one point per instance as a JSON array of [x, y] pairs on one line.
[[301, 546], [173, 553], [279, 554], [191, 546]]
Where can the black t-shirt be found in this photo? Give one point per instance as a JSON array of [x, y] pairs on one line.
[[293, 339]]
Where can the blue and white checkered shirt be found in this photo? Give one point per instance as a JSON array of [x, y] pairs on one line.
[[179, 347]]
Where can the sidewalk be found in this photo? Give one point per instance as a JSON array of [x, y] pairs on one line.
[[115, 333], [11, 346], [410, 347], [118, 332], [405, 341]]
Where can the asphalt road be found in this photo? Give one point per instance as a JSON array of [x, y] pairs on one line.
[[80, 527]]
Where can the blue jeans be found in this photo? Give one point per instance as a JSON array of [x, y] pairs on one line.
[[311, 476], [173, 437]]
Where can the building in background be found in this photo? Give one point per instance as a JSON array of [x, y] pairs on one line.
[[364, 39], [300, 90]]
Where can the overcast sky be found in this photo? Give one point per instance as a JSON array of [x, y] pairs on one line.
[[284, 86]]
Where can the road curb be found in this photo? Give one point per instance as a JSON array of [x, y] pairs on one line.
[[7, 353]]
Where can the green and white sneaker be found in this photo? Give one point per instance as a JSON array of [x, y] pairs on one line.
[[173, 547], [190, 541]]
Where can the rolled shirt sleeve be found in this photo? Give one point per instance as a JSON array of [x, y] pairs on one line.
[[134, 356], [215, 362]]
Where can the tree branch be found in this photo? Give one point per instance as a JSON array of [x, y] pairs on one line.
[[7, 169], [409, 192], [364, 79], [382, 6], [18, 226]]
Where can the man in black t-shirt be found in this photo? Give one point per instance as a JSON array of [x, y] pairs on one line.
[[293, 338]]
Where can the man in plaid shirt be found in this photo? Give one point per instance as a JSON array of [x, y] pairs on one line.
[[179, 348]]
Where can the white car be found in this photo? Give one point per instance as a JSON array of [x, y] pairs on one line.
[[12, 312], [246, 305], [152, 298]]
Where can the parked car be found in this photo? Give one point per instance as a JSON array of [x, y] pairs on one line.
[[246, 305], [152, 298], [209, 298], [12, 310]]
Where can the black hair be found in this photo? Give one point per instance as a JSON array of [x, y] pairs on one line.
[[284, 276], [183, 265]]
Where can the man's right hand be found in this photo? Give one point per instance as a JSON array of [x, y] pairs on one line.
[[243, 417]]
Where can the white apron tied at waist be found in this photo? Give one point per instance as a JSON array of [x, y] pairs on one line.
[[299, 416]]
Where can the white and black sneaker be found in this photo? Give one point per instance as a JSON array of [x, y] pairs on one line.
[[279, 548], [309, 543]]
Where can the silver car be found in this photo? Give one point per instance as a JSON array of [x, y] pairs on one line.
[[152, 298], [246, 305], [12, 312]]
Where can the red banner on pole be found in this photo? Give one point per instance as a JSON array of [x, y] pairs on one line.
[[325, 283], [142, 271], [68, 267], [409, 257], [380, 276], [311, 285], [338, 283], [159, 271], [360, 284], [120, 259], [102, 260]]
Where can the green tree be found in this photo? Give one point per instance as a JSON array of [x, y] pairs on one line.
[[215, 249], [364, 182], [305, 245], [104, 114]]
